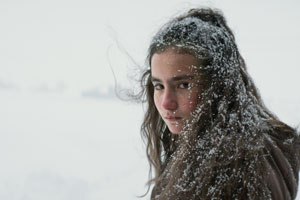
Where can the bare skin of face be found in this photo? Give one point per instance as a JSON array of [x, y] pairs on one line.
[[176, 88]]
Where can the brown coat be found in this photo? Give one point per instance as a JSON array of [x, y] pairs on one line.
[[283, 160], [280, 172]]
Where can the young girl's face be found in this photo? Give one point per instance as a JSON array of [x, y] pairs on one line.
[[176, 87]]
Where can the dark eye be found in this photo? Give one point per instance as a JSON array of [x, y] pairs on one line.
[[184, 85], [158, 86]]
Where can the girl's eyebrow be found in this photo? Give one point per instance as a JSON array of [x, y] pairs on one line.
[[175, 78], [153, 79]]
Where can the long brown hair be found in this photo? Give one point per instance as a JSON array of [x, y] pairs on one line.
[[207, 159]]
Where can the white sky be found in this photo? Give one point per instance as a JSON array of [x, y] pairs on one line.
[[53, 53], [65, 46], [68, 43]]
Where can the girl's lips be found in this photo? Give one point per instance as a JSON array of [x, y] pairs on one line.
[[173, 119]]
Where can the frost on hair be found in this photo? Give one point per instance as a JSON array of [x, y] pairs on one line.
[[221, 152]]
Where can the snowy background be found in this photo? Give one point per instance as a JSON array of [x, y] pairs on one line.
[[63, 133]]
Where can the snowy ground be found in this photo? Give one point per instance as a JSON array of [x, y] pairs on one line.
[[68, 148]]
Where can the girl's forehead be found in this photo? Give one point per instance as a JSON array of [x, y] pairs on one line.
[[171, 56], [169, 64]]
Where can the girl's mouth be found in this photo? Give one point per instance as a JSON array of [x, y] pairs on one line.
[[173, 119]]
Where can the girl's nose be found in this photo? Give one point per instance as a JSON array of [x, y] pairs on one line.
[[169, 101]]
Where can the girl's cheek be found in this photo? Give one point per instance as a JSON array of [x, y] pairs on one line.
[[189, 103], [156, 102], [193, 101], [192, 104]]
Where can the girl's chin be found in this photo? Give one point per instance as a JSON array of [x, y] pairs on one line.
[[175, 133], [175, 130]]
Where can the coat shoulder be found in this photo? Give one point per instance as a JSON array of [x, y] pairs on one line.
[[282, 144]]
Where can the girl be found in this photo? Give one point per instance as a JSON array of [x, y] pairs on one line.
[[208, 133]]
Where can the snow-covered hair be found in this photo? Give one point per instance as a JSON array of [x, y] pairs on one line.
[[223, 140]]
